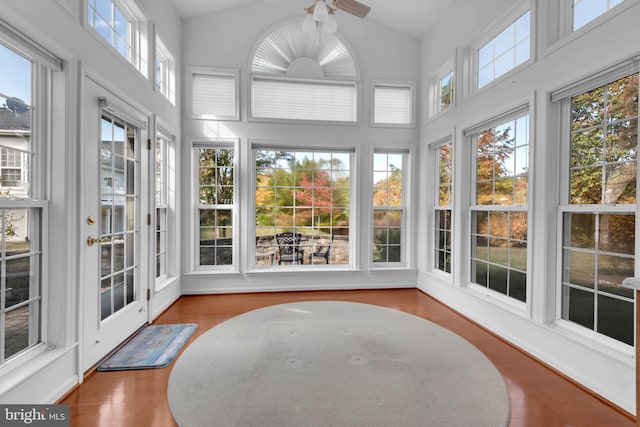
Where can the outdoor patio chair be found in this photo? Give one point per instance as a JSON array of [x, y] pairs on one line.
[[321, 249], [289, 247]]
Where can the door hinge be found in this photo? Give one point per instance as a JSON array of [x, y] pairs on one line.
[[149, 144], [148, 219], [148, 294]]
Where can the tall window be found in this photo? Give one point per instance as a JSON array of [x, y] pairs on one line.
[[505, 51], [122, 24], [164, 193], [443, 208], [215, 207], [585, 11], [389, 214], [306, 192], [165, 71], [600, 216], [499, 216], [21, 209]]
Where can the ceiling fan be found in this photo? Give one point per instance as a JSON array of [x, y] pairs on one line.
[[353, 7], [320, 15]]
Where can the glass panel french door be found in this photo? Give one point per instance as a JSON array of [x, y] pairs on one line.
[[115, 273], [118, 203]]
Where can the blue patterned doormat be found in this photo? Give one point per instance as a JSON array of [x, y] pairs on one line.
[[153, 347]]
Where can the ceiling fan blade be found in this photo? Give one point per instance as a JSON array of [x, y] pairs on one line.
[[353, 7]]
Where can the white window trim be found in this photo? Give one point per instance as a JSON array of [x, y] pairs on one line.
[[508, 17], [563, 97], [195, 203], [279, 145], [232, 73], [343, 82], [168, 79], [44, 64], [559, 33], [434, 88], [171, 182], [470, 134], [139, 35], [568, 6], [407, 224], [380, 83], [434, 149]]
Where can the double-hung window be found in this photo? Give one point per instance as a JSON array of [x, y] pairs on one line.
[[389, 209], [24, 97], [165, 200], [121, 24], [443, 207], [215, 204], [598, 204], [499, 224]]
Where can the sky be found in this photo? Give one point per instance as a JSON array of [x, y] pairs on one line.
[[15, 76]]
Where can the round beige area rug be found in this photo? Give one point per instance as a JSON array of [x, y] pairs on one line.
[[327, 363]]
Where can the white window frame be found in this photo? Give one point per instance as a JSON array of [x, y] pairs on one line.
[[139, 49], [435, 88], [351, 84], [572, 4], [509, 17], [43, 67], [165, 77], [215, 143], [221, 73], [562, 97], [433, 228], [472, 136], [275, 146], [405, 254], [167, 228], [411, 107]]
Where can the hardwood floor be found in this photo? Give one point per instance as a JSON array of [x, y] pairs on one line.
[[539, 397]]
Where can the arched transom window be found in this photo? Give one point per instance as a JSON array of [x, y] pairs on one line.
[[299, 76]]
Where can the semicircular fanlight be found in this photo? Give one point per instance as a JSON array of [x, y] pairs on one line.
[[286, 44]]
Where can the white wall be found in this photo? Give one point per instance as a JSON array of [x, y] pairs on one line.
[[44, 376], [604, 368], [227, 39]]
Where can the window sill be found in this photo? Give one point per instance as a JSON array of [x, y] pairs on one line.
[[579, 335], [392, 268], [304, 270], [165, 282], [28, 365], [213, 272], [496, 298]]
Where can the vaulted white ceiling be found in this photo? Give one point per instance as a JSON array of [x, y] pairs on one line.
[[413, 17]]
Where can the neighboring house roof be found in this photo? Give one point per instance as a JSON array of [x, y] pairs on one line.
[[14, 120]]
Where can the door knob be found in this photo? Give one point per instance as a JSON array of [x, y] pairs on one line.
[[92, 240]]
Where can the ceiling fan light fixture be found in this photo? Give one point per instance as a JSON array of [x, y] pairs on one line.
[[320, 11], [309, 24], [330, 25]]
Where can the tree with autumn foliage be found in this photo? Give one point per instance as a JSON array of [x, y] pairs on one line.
[[302, 193]]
